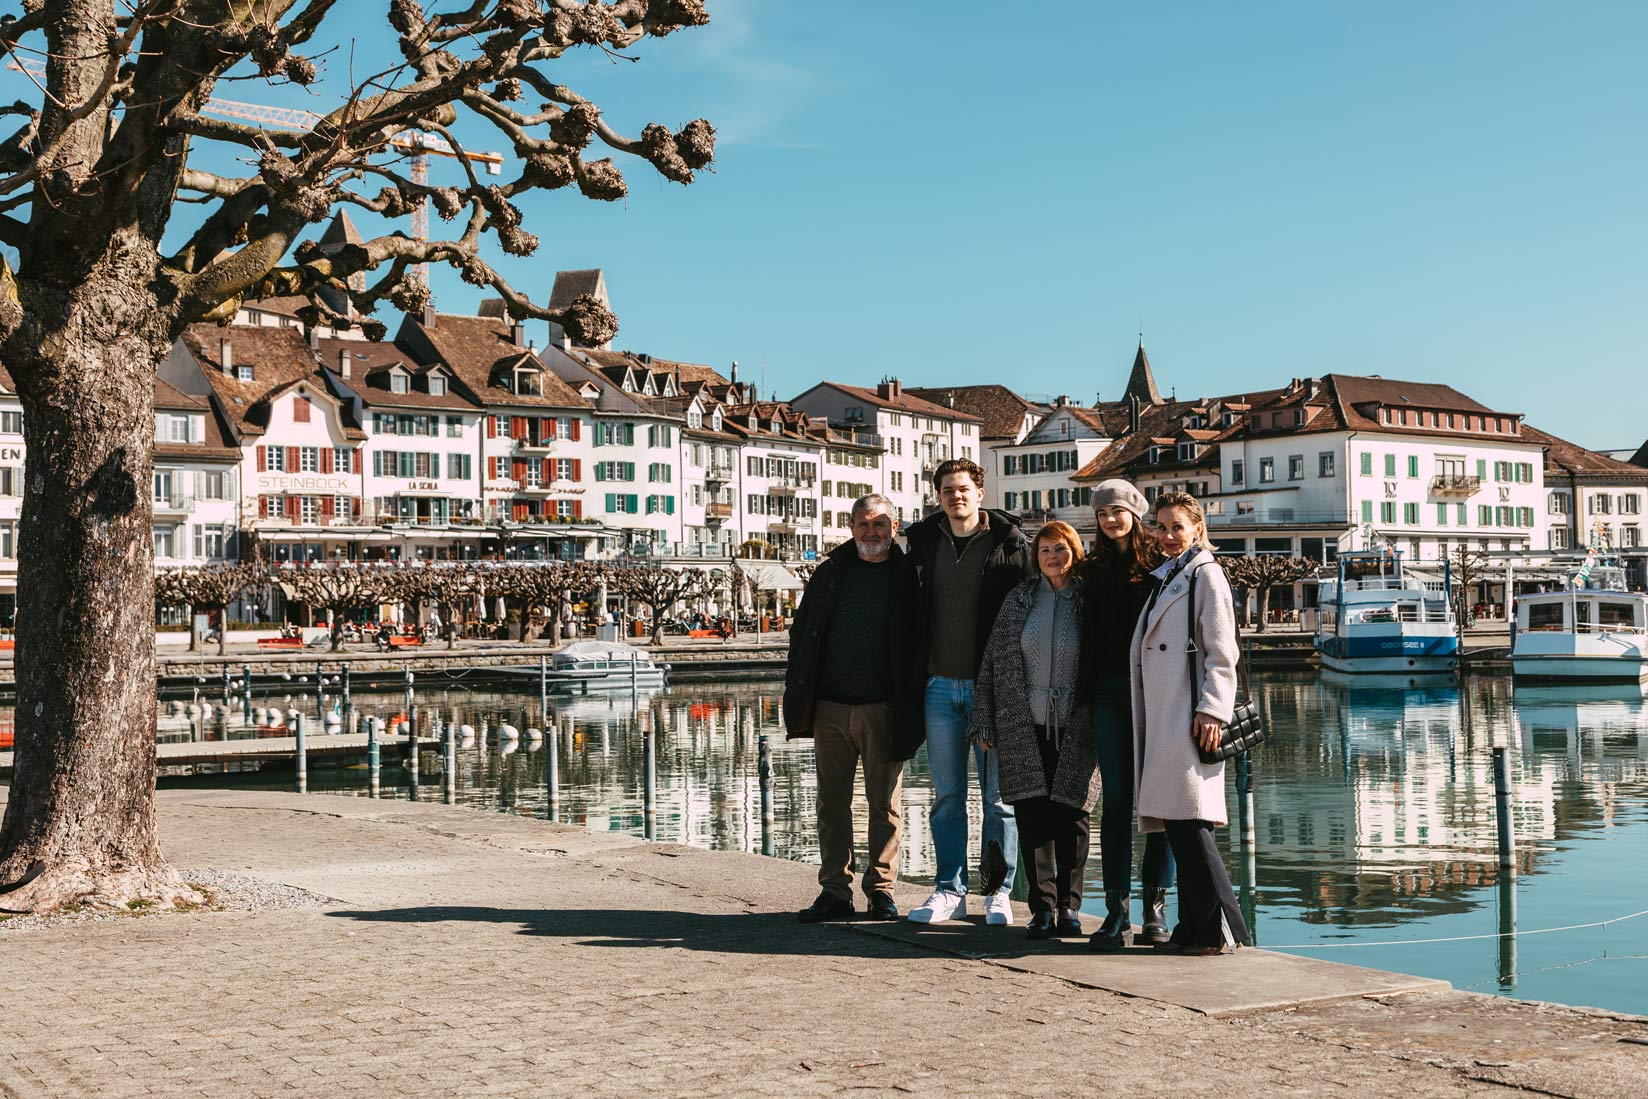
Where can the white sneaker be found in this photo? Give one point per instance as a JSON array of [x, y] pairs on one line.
[[998, 909], [942, 905]]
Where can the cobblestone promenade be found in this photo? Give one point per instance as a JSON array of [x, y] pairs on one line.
[[463, 953]]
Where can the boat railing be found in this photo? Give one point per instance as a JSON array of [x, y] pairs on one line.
[[1393, 583], [1403, 612]]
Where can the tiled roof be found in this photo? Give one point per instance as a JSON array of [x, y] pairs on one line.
[[1000, 408], [904, 402], [369, 373], [213, 447], [1564, 457], [1160, 425], [1640, 458], [283, 306], [475, 349], [1141, 382], [579, 366], [279, 357]]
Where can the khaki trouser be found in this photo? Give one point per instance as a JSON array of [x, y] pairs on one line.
[[842, 736]]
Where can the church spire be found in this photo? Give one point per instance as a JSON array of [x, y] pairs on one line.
[[1141, 383]]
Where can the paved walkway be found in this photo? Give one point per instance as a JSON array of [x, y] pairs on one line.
[[467, 953]]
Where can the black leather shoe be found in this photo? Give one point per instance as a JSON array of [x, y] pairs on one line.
[[1155, 917], [1168, 946], [1115, 932], [1069, 925], [882, 907], [828, 906], [1040, 926]]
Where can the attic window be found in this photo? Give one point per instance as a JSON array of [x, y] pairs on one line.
[[526, 383], [397, 382], [437, 385], [1155, 454], [1187, 451], [1228, 418], [695, 418], [243, 372], [777, 427], [715, 420], [1299, 416]]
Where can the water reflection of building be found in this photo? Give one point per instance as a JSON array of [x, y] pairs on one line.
[[1376, 801]]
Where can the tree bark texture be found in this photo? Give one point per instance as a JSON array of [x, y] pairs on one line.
[[81, 799]]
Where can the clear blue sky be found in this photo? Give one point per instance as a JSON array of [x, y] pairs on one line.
[[1447, 192]]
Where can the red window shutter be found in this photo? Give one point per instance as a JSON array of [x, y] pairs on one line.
[[576, 429], [357, 460], [292, 459], [294, 507], [491, 427], [577, 509], [262, 460], [263, 501], [521, 511], [577, 468], [492, 469], [300, 410], [328, 507], [518, 469], [326, 459], [517, 427], [548, 423]]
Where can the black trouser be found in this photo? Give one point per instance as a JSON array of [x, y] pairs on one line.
[[1052, 839], [1207, 904]]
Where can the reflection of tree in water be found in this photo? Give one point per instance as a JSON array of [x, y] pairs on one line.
[[1375, 804]]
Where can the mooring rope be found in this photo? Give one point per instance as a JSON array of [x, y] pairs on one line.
[[1461, 938]]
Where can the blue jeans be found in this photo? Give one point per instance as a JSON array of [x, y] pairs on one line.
[[1113, 744], [949, 709]]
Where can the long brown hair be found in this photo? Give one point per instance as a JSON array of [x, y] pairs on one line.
[[1138, 554]]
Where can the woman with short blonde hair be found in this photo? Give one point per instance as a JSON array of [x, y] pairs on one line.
[[1184, 657]]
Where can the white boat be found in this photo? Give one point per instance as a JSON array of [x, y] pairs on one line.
[[1376, 617], [1595, 631], [586, 666]]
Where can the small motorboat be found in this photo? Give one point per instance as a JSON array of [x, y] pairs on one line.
[[587, 666]]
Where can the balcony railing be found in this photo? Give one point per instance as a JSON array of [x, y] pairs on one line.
[[718, 472], [717, 513], [790, 486], [784, 526], [176, 504], [1455, 484]]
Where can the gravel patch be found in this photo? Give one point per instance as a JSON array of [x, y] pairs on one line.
[[226, 892]]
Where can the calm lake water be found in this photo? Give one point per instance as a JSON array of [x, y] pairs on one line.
[[1374, 811]]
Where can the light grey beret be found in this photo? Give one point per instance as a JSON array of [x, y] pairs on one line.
[[1119, 493]]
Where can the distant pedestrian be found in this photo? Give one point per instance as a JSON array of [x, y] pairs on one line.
[[854, 685], [1183, 694], [1116, 584], [1026, 709], [969, 558]]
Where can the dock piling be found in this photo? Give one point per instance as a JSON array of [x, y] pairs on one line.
[[764, 775], [374, 762], [1502, 809], [450, 761], [302, 754], [552, 776], [1244, 798], [412, 745], [649, 781]]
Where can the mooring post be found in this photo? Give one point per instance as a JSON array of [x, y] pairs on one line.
[[320, 696], [552, 774], [764, 774], [450, 762], [1506, 886], [225, 682], [302, 753], [1244, 797], [649, 780], [374, 762], [1502, 807], [543, 681], [412, 745]]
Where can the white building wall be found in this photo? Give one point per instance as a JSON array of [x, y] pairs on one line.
[[286, 434]]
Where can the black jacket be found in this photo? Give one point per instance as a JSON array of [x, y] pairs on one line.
[[1113, 600], [1007, 566], [905, 654]]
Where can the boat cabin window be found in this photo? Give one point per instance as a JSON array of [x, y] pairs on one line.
[[1615, 614], [1545, 616]]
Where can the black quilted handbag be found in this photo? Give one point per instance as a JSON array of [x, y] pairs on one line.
[[1245, 730]]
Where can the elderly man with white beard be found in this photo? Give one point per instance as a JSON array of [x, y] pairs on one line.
[[854, 685]]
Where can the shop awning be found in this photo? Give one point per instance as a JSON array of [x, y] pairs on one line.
[[771, 577]]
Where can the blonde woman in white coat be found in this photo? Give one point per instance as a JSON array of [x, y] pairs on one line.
[[1173, 712]]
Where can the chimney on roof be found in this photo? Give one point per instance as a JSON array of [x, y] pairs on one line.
[[226, 355], [344, 364], [889, 389], [1133, 404], [734, 378], [429, 315], [517, 333], [1061, 401], [314, 338]]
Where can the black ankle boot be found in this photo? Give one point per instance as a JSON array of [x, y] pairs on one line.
[[1155, 917], [1116, 932]]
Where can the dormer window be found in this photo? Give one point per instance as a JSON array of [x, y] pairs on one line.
[[1228, 418], [1299, 417], [437, 385], [715, 420], [695, 419], [1187, 451], [243, 372], [526, 383], [398, 382], [777, 427], [1155, 454]]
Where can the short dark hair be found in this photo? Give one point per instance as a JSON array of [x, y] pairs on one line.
[[957, 465]]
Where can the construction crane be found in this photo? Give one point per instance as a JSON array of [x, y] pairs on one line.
[[417, 145]]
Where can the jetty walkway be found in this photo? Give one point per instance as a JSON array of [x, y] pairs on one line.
[[452, 952]]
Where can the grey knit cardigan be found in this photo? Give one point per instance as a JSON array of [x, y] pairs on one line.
[[1001, 716]]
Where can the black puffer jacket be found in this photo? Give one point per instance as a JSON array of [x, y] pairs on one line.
[[1008, 565], [906, 655]]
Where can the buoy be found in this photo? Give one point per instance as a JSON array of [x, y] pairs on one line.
[[535, 734], [466, 734], [508, 732], [507, 748], [334, 720], [192, 710], [287, 676], [174, 707], [291, 716]]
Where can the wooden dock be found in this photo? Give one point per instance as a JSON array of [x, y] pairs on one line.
[[249, 749]]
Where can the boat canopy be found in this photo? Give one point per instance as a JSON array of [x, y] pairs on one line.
[[610, 651]]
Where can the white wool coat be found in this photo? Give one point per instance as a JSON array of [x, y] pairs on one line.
[[1172, 781]]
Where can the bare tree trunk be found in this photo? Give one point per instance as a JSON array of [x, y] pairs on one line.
[[82, 793], [189, 622], [1263, 591]]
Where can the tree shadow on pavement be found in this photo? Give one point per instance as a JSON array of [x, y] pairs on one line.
[[724, 933]]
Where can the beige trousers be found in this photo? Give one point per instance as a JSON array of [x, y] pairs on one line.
[[843, 737]]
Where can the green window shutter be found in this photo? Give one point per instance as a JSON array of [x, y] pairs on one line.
[[1367, 463], [1460, 513], [1390, 465], [612, 502], [1481, 469], [669, 505], [1367, 509], [1413, 465], [1441, 515], [630, 500]]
